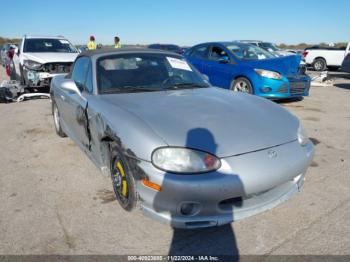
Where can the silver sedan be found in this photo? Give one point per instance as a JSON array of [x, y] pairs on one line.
[[188, 154]]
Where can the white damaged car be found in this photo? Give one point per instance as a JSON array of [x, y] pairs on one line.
[[39, 59]]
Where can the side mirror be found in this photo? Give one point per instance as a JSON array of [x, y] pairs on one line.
[[70, 86], [206, 78], [224, 60]]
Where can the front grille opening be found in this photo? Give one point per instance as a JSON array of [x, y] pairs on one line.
[[196, 224], [227, 204], [283, 89], [57, 68], [297, 88]]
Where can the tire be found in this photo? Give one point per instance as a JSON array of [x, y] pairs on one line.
[[242, 84], [319, 64], [56, 120], [123, 181]]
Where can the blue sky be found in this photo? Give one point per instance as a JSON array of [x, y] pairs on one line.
[[179, 21]]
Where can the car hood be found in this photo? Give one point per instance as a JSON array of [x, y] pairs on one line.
[[211, 119], [44, 58], [287, 65]]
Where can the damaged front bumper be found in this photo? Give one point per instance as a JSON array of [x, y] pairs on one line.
[[39, 79], [245, 185], [41, 76]]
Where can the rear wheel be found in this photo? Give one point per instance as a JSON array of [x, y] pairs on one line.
[[56, 120], [123, 182], [319, 64], [243, 85]]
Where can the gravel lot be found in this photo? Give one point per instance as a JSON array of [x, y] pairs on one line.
[[55, 201]]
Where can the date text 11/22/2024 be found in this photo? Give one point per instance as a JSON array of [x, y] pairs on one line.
[[173, 258]]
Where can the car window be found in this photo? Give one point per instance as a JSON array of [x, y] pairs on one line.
[[247, 51], [80, 70], [218, 54], [200, 52], [269, 46], [150, 72], [88, 82], [43, 45]]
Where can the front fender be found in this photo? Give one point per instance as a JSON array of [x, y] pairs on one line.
[[111, 123]]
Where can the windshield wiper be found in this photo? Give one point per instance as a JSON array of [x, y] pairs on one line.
[[186, 85], [131, 89]]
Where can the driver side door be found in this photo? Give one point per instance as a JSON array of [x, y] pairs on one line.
[[75, 111], [220, 67]]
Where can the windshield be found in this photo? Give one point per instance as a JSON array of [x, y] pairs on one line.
[[41, 45], [145, 72], [247, 51], [269, 46]]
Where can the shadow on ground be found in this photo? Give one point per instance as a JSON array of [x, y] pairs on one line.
[[343, 86], [339, 75], [212, 241], [215, 241], [289, 100]]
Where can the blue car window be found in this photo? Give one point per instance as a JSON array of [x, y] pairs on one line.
[[200, 52], [247, 51], [218, 54]]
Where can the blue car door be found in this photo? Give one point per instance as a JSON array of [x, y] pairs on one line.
[[197, 57], [220, 67]]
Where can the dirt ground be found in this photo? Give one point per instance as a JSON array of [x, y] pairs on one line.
[[53, 200]]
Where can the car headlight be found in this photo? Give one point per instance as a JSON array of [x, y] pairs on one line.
[[303, 138], [32, 64], [184, 160], [268, 74]]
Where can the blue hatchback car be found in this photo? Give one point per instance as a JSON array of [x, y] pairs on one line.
[[247, 68]]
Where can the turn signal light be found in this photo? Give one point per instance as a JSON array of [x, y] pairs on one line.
[[151, 185]]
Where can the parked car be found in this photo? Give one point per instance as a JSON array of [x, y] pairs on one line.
[[4, 52], [82, 48], [38, 59], [190, 154], [272, 48], [167, 47], [9, 64], [346, 64], [247, 68], [322, 58]]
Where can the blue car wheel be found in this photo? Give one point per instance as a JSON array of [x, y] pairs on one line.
[[242, 84]]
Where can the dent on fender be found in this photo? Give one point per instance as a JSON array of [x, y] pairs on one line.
[[105, 136]]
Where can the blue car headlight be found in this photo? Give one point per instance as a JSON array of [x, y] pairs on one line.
[[303, 137], [268, 74], [184, 160]]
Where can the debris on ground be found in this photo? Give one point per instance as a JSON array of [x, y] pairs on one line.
[[322, 80], [12, 91]]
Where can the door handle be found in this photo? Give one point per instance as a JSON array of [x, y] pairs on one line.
[[63, 97]]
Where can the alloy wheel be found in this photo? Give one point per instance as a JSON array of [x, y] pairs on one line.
[[56, 118], [241, 86]]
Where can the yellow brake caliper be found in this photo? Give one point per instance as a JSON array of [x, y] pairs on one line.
[[124, 182]]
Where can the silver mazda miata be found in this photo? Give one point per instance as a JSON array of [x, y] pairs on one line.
[[189, 154]]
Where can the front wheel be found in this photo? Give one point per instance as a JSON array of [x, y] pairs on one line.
[[56, 120], [243, 85], [123, 182]]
